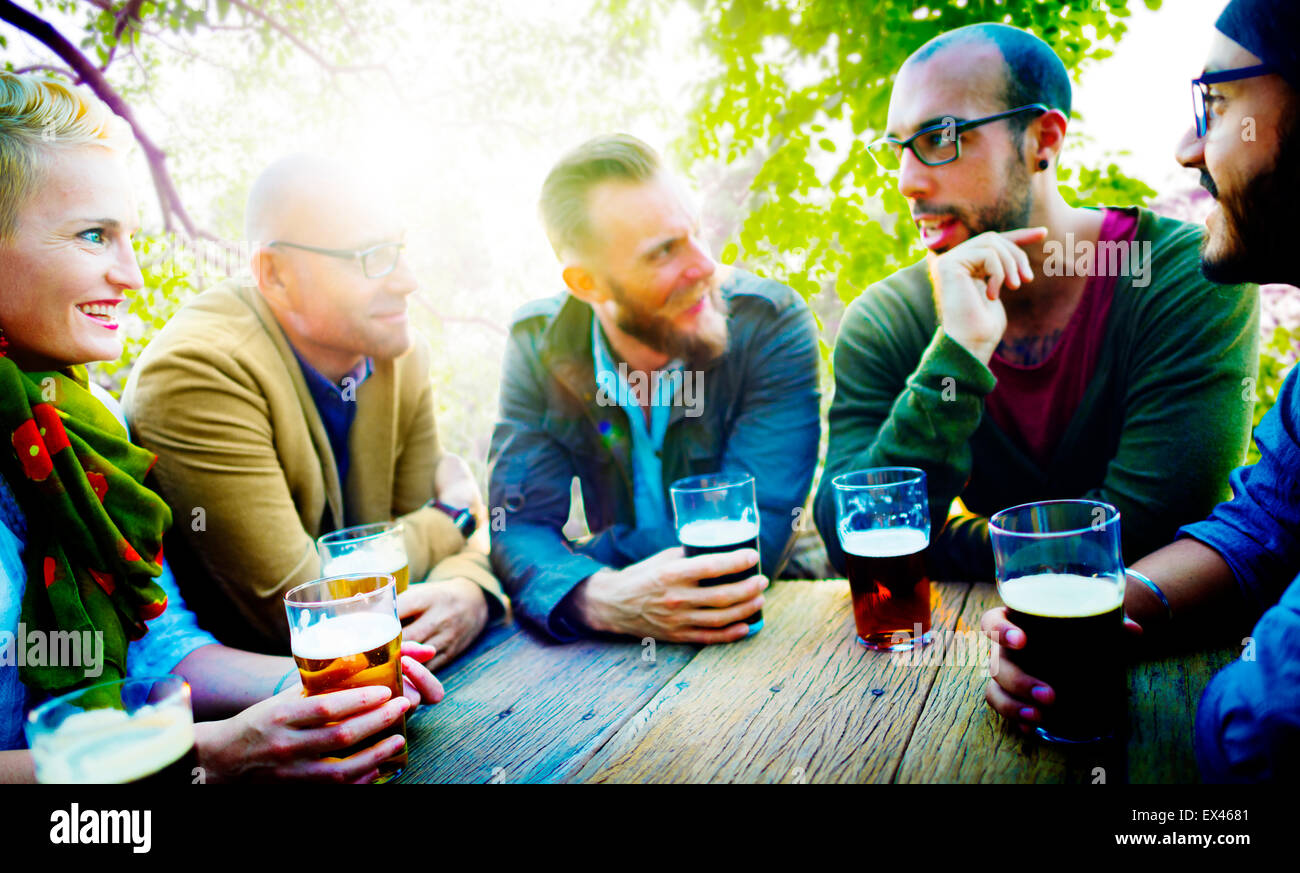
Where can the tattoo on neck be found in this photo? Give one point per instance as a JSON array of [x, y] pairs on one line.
[[1028, 351]]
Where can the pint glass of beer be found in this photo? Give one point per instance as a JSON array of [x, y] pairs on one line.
[[883, 521], [133, 730], [344, 633], [718, 513], [1061, 575], [377, 549]]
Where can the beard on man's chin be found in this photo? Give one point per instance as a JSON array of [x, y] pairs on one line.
[[1011, 211], [708, 342], [1254, 239]]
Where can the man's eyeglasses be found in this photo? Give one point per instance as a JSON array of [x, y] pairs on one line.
[[376, 261], [1200, 89], [938, 144]]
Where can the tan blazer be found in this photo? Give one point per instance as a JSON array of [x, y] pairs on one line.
[[246, 466]]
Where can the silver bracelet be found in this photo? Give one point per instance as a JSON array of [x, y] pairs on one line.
[[1155, 589]]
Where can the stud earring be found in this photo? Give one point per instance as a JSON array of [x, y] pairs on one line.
[[1042, 164]]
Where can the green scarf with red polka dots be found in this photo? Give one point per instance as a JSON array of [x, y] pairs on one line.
[[94, 544]]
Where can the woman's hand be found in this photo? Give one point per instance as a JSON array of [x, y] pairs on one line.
[[418, 684], [283, 737]]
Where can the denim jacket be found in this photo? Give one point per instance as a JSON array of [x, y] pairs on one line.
[[754, 409]]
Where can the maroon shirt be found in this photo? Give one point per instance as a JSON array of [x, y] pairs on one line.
[[1033, 405]]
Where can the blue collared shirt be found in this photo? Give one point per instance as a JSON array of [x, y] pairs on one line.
[[337, 405], [647, 442], [1248, 723]]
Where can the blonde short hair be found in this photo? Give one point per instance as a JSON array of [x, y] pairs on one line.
[[38, 115]]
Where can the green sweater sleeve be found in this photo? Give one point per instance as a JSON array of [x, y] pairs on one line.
[[1189, 353], [887, 412]]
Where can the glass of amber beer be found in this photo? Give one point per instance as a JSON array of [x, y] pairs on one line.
[[344, 633], [1061, 575], [132, 730], [718, 513], [883, 521], [367, 548]]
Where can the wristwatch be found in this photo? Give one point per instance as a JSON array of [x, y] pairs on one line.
[[464, 520]]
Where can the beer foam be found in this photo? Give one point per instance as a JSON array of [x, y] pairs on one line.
[[344, 635], [886, 542], [711, 533], [1062, 595], [107, 746], [364, 561]]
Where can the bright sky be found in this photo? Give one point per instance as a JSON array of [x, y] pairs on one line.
[[1139, 99]]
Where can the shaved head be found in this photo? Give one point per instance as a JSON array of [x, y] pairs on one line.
[[321, 213], [1010, 67], [316, 200]]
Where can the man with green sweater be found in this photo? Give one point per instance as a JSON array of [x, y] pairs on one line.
[[1040, 350]]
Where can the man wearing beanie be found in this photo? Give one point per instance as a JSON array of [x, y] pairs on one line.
[[1239, 565]]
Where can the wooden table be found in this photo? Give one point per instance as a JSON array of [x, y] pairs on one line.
[[799, 702]]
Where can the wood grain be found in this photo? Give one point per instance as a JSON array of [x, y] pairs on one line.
[[799, 702], [960, 739], [1163, 695], [524, 710]]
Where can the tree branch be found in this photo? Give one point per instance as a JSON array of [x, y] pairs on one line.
[[459, 319], [168, 198], [293, 38], [62, 71]]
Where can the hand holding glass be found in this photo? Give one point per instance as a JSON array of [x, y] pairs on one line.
[[1061, 575], [344, 633], [718, 513]]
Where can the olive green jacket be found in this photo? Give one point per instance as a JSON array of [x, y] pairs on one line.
[[246, 465]]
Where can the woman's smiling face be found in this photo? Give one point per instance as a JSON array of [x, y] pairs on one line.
[[69, 263]]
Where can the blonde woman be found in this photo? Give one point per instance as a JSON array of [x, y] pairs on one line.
[[80, 534]]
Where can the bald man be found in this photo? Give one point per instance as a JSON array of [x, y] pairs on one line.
[[301, 403], [1039, 350]]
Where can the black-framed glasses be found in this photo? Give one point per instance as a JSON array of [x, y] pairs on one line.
[[939, 143], [376, 261], [1200, 89]]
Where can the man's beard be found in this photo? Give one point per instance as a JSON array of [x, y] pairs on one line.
[[1256, 229], [659, 333], [1012, 210]]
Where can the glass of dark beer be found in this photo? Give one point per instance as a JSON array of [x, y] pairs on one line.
[[137, 730], [344, 633], [1060, 573], [883, 522], [718, 513]]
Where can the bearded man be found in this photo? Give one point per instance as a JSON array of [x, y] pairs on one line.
[[1041, 350], [657, 363], [1239, 566]]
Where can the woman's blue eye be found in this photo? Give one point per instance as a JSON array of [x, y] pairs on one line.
[[94, 235]]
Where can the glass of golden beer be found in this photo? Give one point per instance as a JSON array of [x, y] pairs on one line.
[[883, 522], [1061, 575], [132, 730], [368, 548], [344, 633]]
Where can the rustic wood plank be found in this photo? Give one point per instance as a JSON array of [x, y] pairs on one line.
[[1163, 696], [959, 739], [799, 702], [524, 710], [490, 638]]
